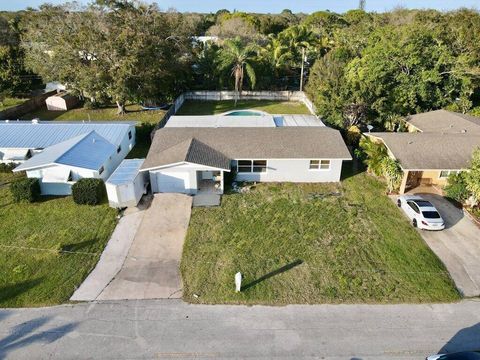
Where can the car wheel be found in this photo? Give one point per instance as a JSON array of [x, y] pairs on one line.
[[399, 203], [414, 222]]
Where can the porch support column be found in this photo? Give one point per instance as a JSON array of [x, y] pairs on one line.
[[222, 182], [403, 185]]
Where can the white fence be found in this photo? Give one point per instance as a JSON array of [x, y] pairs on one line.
[[207, 95]]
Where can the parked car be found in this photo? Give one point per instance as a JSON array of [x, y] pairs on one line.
[[421, 212], [464, 355]]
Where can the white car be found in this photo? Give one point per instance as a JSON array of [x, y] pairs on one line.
[[422, 213]]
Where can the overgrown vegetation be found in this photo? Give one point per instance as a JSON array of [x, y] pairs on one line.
[[375, 156], [310, 243]]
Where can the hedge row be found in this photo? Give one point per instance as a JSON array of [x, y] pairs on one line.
[[88, 191], [25, 190]]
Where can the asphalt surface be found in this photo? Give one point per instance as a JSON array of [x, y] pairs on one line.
[[171, 329]]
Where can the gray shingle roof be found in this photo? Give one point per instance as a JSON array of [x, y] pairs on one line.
[[431, 151], [444, 121], [216, 145]]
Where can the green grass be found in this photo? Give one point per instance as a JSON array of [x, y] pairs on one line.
[[147, 120], [33, 272], [134, 113], [10, 102], [193, 107], [355, 248]]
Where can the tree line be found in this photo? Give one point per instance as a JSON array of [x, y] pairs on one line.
[[358, 67]]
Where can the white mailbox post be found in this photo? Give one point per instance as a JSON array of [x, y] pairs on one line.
[[238, 282]]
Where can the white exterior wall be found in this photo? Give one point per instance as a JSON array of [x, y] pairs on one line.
[[294, 170], [278, 170], [60, 188], [186, 172], [126, 195], [115, 160]]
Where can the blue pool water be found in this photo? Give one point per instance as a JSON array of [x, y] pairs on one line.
[[243, 113]]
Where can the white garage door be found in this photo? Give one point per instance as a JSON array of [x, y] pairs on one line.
[[173, 182]]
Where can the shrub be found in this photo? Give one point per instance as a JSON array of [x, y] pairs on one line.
[[393, 173], [373, 155], [229, 178], [456, 188], [7, 168], [88, 191], [25, 190]]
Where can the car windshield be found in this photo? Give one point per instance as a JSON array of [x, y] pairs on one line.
[[431, 215], [423, 203]]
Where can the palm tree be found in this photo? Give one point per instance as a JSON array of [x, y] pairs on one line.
[[238, 57], [303, 43], [276, 54]]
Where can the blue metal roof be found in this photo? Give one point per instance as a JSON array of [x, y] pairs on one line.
[[88, 151], [126, 172], [25, 134]]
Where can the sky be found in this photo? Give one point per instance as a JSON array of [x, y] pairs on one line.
[[274, 6]]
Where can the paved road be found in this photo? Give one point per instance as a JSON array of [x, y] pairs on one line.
[[165, 329], [152, 267]]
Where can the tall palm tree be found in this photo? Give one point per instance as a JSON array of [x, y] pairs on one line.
[[239, 58]]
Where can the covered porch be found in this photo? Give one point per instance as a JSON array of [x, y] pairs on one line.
[[210, 182], [414, 182]]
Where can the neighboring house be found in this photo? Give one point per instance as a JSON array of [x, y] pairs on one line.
[[193, 159], [61, 153], [439, 143]]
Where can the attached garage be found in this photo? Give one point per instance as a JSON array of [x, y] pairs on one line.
[[172, 181]]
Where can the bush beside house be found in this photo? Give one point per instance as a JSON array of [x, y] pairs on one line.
[[88, 191], [7, 167], [25, 190]]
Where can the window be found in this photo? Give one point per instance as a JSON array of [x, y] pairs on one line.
[[101, 170], [249, 166], [244, 166], [414, 206], [446, 173], [259, 165], [319, 164], [119, 149], [130, 135]]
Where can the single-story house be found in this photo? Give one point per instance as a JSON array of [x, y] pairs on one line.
[[438, 143], [193, 159], [61, 153], [62, 101]]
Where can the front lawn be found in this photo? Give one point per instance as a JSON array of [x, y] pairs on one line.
[[48, 248], [194, 107], [302, 243]]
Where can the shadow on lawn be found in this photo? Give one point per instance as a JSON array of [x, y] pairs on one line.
[[27, 333], [273, 273], [11, 291], [78, 246]]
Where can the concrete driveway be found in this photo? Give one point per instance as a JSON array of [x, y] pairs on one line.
[[457, 246], [151, 269]]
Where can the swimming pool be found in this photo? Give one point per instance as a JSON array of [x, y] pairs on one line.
[[244, 113]]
